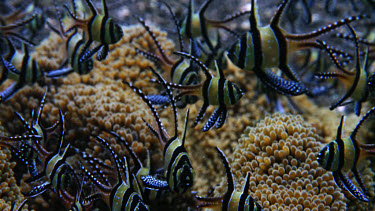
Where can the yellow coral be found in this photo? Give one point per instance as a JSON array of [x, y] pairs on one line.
[[98, 100], [280, 154], [9, 190]]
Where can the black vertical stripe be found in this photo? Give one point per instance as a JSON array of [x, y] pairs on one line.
[[184, 75], [241, 203], [102, 29], [89, 25], [111, 30], [281, 41], [176, 152], [243, 48], [188, 20], [113, 192], [73, 57], [126, 198], [135, 202], [251, 204], [331, 154], [11, 51], [167, 145], [231, 93], [175, 67], [226, 200], [257, 44], [341, 149], [56, 166]]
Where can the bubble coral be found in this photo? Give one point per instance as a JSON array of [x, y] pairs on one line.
[[280, 154]]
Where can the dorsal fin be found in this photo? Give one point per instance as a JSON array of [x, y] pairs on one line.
[[340, 129], [36, 116], [59, 18], [185, 127], [92, 8], [369, 114], [228, 171], [357, 73], [254, 17], [177, 25], [203, 24], [276, 18], [105, 8], [245, 190], [189, 19]]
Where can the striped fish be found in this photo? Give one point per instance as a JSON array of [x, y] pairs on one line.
[[120, 196], [99, 28], [139, 170], [35, 134], [10, 30], [356, 81], [74, 45], [181, 71], [215, 91], [20, 67], [38, 18], [178, 172], [343, 154], [56, 171], [232, 199], [270, 46], [197, 25]]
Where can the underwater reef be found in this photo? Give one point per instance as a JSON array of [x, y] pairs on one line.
[[271, 122]]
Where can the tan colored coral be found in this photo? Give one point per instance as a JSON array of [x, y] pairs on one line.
[[98, 100], [280, 154], [9, 190]]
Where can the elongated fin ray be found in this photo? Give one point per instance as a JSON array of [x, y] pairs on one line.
[[171, 99], [345, 183], [136, 160], [228, 171], [155, 39], [369, 114], [357, 74], [325, 29], [161, 133], [177, 24]]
